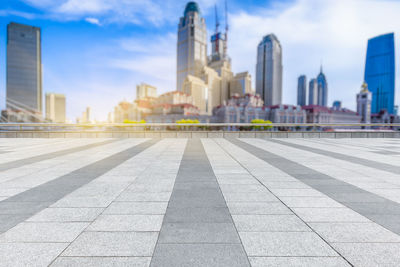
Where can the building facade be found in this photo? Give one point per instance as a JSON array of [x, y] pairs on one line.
[[286, 114], [144, 90], [322, 89], [313, 92], [302, 90], [364, 104], [55, 108], [380, 72], [192, 44], [24, 69], [269, 70], [321, 114]]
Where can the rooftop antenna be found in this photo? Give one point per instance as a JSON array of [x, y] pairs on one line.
[[216, 19], [226, 27]]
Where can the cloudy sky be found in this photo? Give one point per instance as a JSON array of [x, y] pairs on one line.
[[96, 51]]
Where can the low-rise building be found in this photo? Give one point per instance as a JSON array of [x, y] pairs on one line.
[[286, 114]]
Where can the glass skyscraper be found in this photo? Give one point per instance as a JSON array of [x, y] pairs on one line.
[[269, 70], [24, 68], [192, 44], [380, 72], [302, 91], [322, 89]]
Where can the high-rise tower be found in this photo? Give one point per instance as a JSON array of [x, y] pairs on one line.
[[302, 91], [269, 70], [24, 69], [380, 72], [322, 89], [192, 44]]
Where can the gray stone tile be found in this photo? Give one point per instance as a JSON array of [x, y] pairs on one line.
[[113, 244], [29, 254], [148, 196], [229, 255], [269, 223], [244, 188], [44, 232], [8, 221], [370, 254], [102, 261], [354, 232], [298, 262], [310, 202], [296, 192], [198, 233], [253, 197], [156, 208], [329, 215], [66, 215], [285, 244], [257, 208], [121, 223], [202, 214]]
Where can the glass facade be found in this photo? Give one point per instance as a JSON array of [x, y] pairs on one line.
[[192, 44], [302, 91], [322, 89], [269, 70], [380, 72], [24, 68]]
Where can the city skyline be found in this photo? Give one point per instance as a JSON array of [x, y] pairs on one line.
[[119, 79]]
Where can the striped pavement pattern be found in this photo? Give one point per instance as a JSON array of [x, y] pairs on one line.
[[199, 202]]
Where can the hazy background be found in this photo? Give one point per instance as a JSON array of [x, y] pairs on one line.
[[96, 51]]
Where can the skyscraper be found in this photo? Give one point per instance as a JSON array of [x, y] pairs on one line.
[[364, 104], [313, 92], [269, 70], [55, 107], [380, 72], [144, 90], [192, 44], [24, 68], [302, 91], [322, 89]]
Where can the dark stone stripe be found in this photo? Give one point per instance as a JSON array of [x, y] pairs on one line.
[[26, 161], [352, 159], [20, 207], [376, 208], [198, 229]]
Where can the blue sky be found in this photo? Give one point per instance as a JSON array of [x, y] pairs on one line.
[[96, 51]]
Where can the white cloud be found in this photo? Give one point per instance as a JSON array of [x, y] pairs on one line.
[[310, 31], [93, 21]]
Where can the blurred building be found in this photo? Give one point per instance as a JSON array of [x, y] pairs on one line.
[[285, 114], [313, 92], [302, 90], [321, 114], [380, 72], [322, 89], [144, 90], [364, 104], [240, 109], [269, 70], [24, 72], [337, 105], [192, 44], [86, 116], [55, 107], [241, 84]]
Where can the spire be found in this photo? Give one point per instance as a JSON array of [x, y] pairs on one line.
[[226, 28], [216, 19]]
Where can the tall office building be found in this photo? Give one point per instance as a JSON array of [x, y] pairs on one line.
[[380, 72], [55, 107], [313, 92], [364, 104], [322, 89], [24, 69], [269, 70], [192, 44], [302, 90]]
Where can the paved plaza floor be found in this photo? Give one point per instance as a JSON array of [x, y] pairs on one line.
[[200, 202]]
